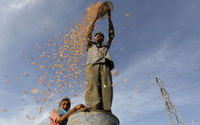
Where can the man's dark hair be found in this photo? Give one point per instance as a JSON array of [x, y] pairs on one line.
[[66, 99], [99, 33]]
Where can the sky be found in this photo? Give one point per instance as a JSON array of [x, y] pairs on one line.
[[152, 37]]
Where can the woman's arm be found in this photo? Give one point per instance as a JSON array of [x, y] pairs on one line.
[[65, 116]]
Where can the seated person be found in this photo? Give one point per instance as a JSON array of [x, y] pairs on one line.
[[60, 115]]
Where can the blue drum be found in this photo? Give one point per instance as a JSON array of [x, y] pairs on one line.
[[94, 117]]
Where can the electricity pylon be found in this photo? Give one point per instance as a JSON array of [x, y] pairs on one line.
[[173, 114]]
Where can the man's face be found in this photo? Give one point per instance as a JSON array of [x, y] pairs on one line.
[[98, 38], [65, 105]]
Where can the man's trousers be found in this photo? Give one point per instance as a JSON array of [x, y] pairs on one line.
[[98, 87]]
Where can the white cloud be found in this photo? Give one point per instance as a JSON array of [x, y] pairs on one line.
[[32, 111], [43, 119], [14, 7], [170, 59], [21, 117], [19, 5], [11, 12], [8, 94]]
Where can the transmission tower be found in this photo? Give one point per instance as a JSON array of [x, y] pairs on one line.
[[173, 114]]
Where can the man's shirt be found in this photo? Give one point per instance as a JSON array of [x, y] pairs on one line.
[[98, 53]]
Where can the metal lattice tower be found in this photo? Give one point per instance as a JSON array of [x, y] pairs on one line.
[[174, 116]]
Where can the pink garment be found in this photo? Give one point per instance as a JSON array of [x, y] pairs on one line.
[[53, 117]]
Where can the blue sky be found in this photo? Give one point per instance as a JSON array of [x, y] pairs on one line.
[[156, 38]]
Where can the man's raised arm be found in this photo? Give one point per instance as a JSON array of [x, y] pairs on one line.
[[89, 34], [111, 32]]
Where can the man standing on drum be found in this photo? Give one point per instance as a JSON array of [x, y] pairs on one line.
[[99, 90]]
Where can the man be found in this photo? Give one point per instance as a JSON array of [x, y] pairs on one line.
[[99, 90], [60, 115]]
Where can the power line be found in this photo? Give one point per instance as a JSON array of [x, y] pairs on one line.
[[154, 115], [173, 92], [183, 74], [162, 111], [193, 87], [189, 105], [170, 78], [149, 117]]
